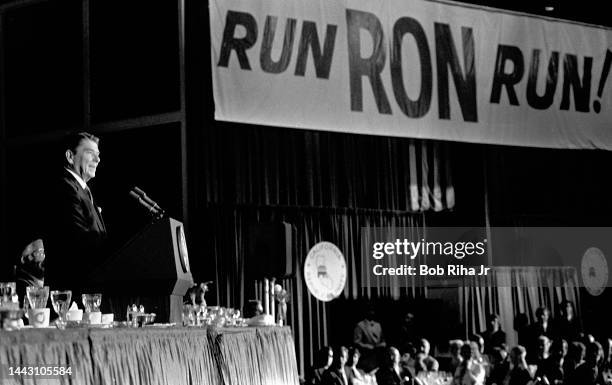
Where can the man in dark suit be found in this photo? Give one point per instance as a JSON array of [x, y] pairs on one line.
[[75, 238], [541, 327], [390, 372]]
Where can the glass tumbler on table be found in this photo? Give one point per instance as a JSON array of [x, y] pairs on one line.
[[60, 299], [91, 302], [37, 296], [7, 292]]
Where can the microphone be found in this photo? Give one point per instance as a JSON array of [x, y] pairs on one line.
[[143, 203], [147, 199]]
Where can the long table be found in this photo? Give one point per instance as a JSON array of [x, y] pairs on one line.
[[151, 356]]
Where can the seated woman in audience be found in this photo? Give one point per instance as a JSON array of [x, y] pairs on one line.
[[551, 370], [470, 371], [483, 357], [356, 376], [323, 360], [519, 372], [335, 374]]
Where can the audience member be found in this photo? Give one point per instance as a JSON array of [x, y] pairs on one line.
[[542, 351], [519, 372], [455, 355], [588, 373], [390, 372], [368, 337], [425, 362], [551, 369], [470, 371], [335, 374], [575, 357], [567, 325], [500, 366], [408, 331], [483, 358], [355, 376], [407, 360], [521, 323], [493, 336], [541, 327], [323, 360]]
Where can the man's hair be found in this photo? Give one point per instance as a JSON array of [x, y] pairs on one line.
[[71, 141], [541, 310]]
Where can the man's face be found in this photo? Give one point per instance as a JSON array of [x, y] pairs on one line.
[[395, 356], [85, 160], [330, 357], [424, 347], [493, 324], [543, 345], [344, 357]]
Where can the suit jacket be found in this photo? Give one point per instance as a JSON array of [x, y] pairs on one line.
[[388, 376], [75, 235], [333, 376]]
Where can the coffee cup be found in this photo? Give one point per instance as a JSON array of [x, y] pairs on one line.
[[108, 318], [74, 315], [93, 318], [39, 318]]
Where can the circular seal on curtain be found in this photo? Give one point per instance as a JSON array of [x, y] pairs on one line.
[[594, 268], [325, 271]]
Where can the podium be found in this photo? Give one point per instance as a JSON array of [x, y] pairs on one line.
[[151, 269]]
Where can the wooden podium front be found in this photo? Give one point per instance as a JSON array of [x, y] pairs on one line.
[[151, 269]]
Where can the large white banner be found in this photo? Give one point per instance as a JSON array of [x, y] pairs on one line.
[[412, 68]]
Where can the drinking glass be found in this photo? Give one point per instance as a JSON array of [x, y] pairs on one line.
[[7, 291], [37, 296], [60, 299], [91, 302], [188, 315]]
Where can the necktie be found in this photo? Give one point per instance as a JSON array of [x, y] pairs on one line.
[[96, 210], [89, 194]]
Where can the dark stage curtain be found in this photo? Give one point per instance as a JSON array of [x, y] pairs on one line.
[[328, 187], [272, 166]]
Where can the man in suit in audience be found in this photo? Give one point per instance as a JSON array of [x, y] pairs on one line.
[[368, 337], [75, 235], [390, 372], [493, 336], [541, 327]]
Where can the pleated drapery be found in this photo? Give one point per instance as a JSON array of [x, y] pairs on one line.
[[266, 166], [175, 356]]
